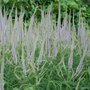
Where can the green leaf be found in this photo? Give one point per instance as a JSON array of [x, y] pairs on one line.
[[28, 88], [89, 70], [72, 4], [5, 1], [16, 88]]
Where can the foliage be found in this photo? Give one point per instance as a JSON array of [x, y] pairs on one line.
[[35, 6]]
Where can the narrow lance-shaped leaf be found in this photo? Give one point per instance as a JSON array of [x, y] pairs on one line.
[[23, 61], [80, 66], [2, 70]]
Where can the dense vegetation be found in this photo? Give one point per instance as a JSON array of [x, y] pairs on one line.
[[35, 6], [52, 54]]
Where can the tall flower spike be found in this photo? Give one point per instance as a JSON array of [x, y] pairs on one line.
[[59, 19], [55, 49], [47, 44], [14, 53], [83, 38], [79, 23], [70, 62], [41, 52]]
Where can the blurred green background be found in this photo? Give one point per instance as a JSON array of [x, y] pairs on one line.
[[35, 6]]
